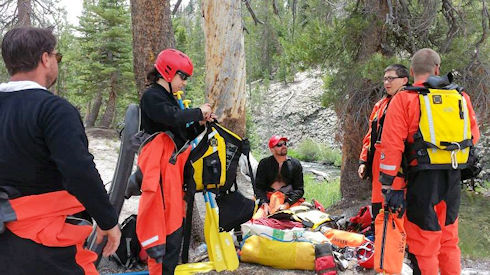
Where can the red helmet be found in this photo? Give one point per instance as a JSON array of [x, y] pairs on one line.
[[365, 255], [169, 61], [275, 140]]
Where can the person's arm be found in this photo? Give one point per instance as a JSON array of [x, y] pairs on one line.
[[395, 132], [297, 183], [261, 183], [475, 131], [161, 110], [65, 137]]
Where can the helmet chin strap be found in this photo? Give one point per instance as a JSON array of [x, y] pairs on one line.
[[161, 81], [170, 87]]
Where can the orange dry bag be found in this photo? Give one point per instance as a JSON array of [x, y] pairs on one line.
[[389, 243], [342, 238]]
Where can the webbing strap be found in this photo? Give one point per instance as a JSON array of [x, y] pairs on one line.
[[430, 120], [465, 118]]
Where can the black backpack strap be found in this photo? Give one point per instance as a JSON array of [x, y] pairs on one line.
[[246, 152], [187, 228]]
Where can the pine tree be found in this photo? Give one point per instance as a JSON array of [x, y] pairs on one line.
[[105, 58]]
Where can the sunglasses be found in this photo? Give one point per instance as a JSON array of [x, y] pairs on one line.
[[58, 57], [391, 78], [183, 76], [280, 144]]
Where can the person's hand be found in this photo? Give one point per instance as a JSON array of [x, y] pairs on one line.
[[266, 208], [395, 199], [113, 238], [206, 111], [284, 206], [361, 171], [212, 117]]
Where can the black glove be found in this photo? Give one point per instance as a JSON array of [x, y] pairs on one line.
[[156, 252], [395, 199]]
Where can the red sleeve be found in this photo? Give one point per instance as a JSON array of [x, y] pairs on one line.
[[366, 141], [395, 132], [475, 131]]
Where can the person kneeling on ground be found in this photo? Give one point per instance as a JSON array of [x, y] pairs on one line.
[[279, 182]]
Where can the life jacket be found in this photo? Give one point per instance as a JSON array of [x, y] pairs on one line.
[[212, 166], [376, 131], [161, 207], [45, 219], [308, 216], [443, 139], [213, 162]]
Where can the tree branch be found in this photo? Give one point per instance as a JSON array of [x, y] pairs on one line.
[[274, 6], [176, 7], [249, 8], [245, 27], [389, 16], [454, 27]]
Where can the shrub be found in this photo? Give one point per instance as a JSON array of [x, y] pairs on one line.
[[326, 192], [309, 150]]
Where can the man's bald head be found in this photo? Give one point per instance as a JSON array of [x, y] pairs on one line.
[[425, 61]]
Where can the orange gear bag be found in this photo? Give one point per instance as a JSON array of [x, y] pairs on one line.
[[389, 242], [343, 238]]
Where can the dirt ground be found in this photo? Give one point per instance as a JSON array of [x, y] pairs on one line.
[[104, 145]]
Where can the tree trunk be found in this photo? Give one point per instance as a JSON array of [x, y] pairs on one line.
[[24, 12], [152, 33], [225, 62], [110, 109], [351, 186], [94, 111]]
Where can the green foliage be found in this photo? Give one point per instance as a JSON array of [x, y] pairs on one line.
[[326, 192], [4, 76], [474, 226], [189, 38], [99, 57], [309, 150]]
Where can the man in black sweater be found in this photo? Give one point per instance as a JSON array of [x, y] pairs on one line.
[[279, 173], [44, 155]]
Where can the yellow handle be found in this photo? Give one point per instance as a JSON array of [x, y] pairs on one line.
[[179, 94], [186, 103]]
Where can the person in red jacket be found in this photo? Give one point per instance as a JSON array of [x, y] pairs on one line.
[[395, 78], [433, 189]]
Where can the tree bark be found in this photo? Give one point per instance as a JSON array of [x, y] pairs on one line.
[[110, 109], [94, 111], [152, 33], [354, 128], [24, 12], [225, 62]]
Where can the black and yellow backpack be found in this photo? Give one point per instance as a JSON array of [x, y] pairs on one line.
[[443, 140]]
